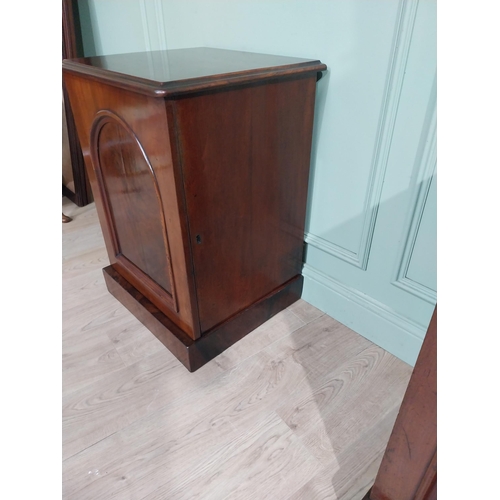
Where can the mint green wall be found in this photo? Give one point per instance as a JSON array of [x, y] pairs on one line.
[[371, 221], [112, 26]]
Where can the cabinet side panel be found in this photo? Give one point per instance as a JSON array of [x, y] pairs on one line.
[[245, 155]]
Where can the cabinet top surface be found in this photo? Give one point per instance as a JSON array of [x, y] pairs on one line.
[[167, 72]]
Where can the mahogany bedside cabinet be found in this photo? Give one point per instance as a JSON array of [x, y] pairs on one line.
[[199, 164]]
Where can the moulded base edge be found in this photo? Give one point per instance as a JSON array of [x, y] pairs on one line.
[[193, 354]]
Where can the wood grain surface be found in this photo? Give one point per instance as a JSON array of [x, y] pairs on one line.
[[177, 72], [245, 156], [409, 467], [143, 194], [301, 408]]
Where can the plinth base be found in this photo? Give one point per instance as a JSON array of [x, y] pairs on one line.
[[193, 354]]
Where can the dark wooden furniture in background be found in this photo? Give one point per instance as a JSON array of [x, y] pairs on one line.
[[72, 47], [409, 467], [199, 164]]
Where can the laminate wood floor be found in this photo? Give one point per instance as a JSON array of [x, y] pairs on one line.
[[301, 408]]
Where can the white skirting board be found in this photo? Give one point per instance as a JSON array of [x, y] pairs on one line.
[[363, 314]]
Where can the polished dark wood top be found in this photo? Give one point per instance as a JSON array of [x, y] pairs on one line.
[[172, 72]]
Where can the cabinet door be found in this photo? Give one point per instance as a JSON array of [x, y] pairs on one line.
[[126, 147], [133, 204]]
